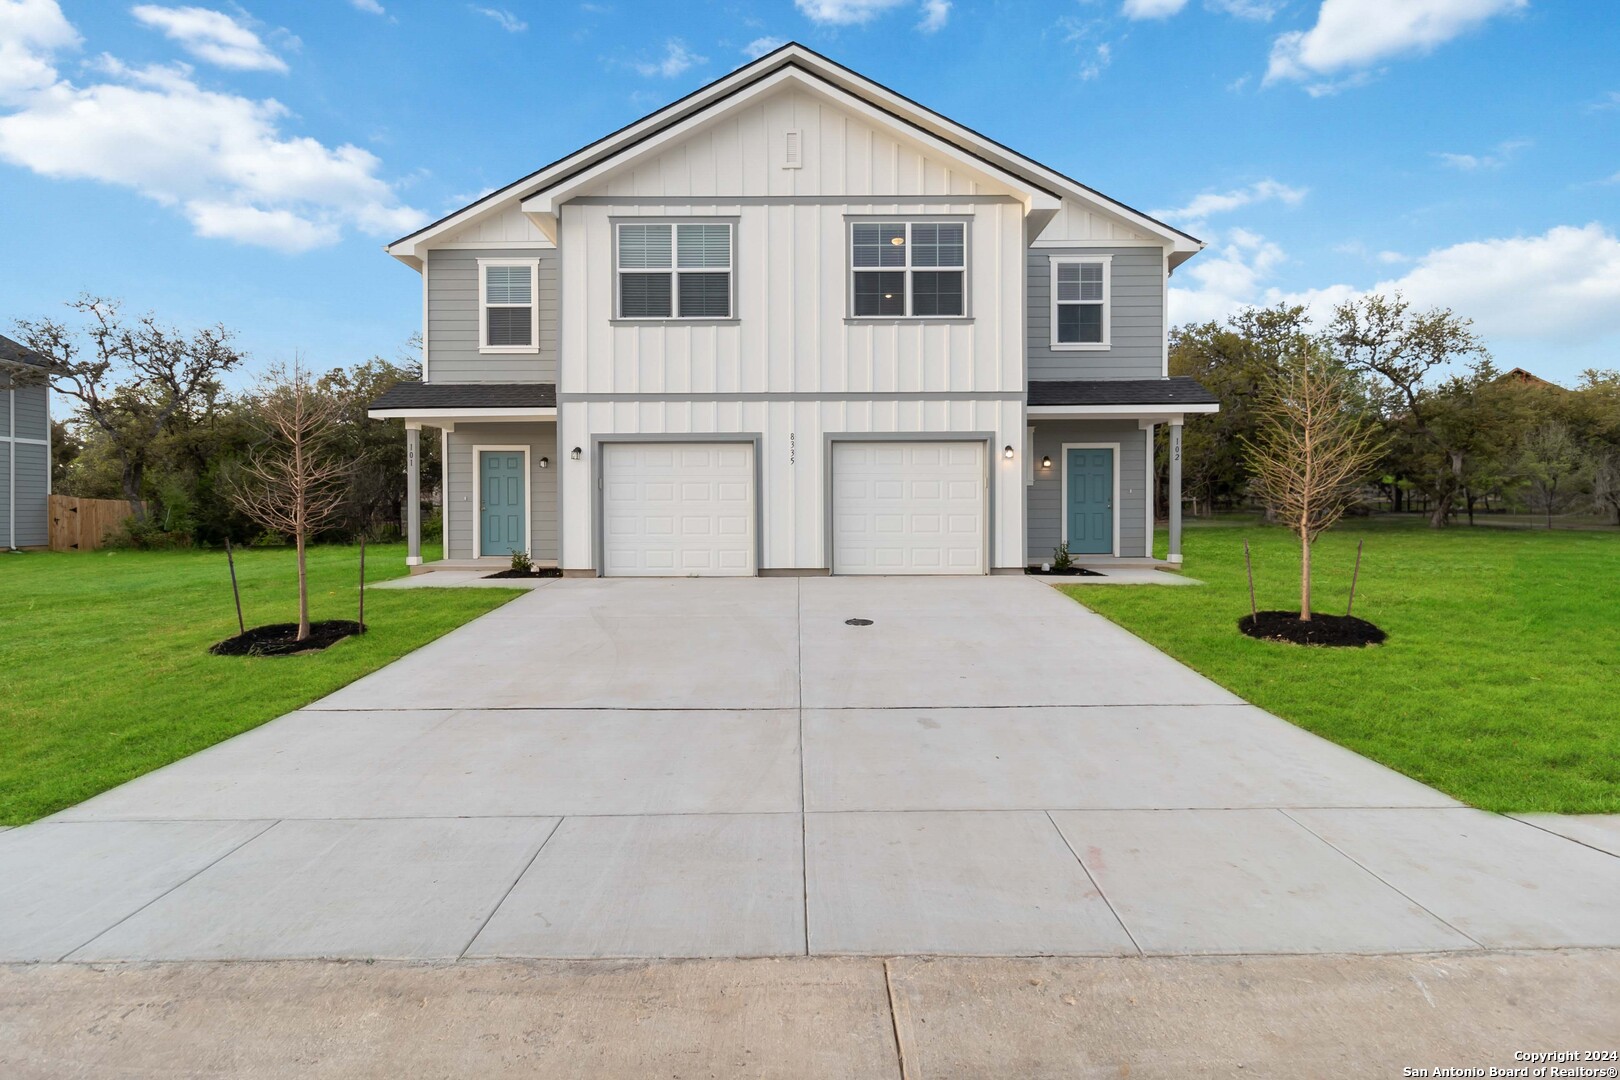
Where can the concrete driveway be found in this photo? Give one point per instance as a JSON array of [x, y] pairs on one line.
[[727, 768]]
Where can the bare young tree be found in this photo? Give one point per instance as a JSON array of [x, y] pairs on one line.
[[294, 483], [1311, 451], [134, 381]]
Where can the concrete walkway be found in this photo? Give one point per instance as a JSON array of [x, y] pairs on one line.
[[905, 1019], [727, 768]]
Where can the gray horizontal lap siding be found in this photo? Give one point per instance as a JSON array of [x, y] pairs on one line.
[[1044, 505], [1136, 315], [452, 320], [33, 485], [32, 414], [461, 492]]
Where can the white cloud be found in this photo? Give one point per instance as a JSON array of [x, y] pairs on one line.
[[1151, 9], [1557, 289], [762, 45], [370, 7], [1098, 62], [677, 59], [935, 15], [1212, 202], [1609, 100], [1354, 34], [507, 21], [861, 12], [1258, 10], [1503, 153], [211, 36], [31, 32], [223, 160]]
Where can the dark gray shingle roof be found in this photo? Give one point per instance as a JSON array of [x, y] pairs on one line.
[[415, 395], [1179, 390], [17, 353]]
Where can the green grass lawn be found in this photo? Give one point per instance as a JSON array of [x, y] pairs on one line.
[[104, 666], [1500, 681]]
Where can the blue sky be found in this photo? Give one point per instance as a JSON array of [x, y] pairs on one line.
[[243, 163]]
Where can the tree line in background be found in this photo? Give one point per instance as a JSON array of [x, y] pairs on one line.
[[154, 423], [1458, 436]]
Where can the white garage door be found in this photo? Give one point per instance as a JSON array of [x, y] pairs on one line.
[[908, 508], [678, 509]]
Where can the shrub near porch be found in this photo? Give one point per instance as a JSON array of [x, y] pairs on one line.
[[1500, 682], [104, 665]]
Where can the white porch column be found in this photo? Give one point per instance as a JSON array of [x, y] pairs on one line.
[[413, 493], [1175, 491]]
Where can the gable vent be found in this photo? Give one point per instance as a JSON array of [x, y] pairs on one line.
[[793, 150]]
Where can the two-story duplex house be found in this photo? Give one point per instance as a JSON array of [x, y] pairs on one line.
[[795, 323]]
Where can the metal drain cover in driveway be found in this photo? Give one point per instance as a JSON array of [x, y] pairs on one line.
[[857, 622]]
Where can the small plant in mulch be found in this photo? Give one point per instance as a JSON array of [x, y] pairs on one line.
[[1062, 564], [523, 567], [281, 639]]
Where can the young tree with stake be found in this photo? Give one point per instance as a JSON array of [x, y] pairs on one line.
[[294, 483], [1311, 451]]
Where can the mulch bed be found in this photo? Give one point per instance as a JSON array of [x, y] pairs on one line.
[[1073, 571], [542, 571], [1339, 630], [278, 639]]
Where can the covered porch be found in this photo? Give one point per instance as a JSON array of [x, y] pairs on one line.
[[1090, 472], [498, 451]]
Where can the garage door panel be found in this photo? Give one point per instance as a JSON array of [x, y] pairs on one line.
[[908, 508], [678, 510]]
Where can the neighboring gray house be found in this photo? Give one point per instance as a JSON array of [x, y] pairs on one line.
[[25, 448], [795, 323]]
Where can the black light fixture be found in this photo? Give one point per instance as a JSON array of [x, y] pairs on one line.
[[1046, 462], [545, 463], [1006, 452], [574, 453]]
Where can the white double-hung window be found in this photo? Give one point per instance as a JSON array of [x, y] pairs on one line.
[[674, 270], [508, 314], [1080, 301], [908, 269]]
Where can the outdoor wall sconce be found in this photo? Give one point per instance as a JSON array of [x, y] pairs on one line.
[[1006, 452], [1046, 462], [545, 463], [574, 453]]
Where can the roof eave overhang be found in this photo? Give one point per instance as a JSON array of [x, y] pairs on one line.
[[1157, 408], [465, 413]]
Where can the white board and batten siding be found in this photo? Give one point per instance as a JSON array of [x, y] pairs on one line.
[[791, 366]]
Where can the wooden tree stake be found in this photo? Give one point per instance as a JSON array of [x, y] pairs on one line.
[[362, 619], [1353, 577], [235, 592], [1254, 614]]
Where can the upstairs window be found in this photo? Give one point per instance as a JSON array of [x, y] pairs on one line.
[[1080, 302], [507, 313], [674, 271], [905, 270]]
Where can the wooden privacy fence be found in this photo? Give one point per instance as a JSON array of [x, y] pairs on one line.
[[84, 524]]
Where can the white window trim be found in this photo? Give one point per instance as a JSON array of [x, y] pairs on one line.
[[534, 307], [675, 271], [478, 496], [1063, 466], [907, 270], [1107, 305]]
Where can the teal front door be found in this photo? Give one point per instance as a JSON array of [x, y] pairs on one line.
[[1090, 506], [501, 488]]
